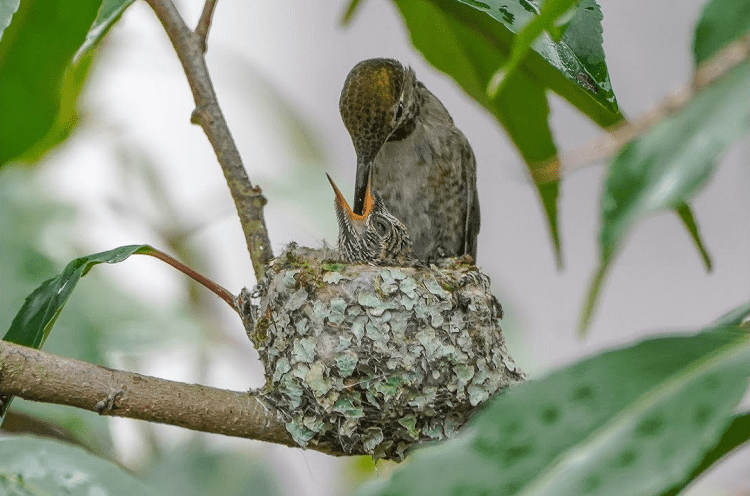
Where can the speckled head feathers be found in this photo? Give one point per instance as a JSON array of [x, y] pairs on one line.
[[375, 100]]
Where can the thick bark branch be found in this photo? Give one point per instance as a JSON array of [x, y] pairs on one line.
[[39, 376], [247, 198]]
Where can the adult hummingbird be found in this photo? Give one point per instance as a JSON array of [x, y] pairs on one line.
[[419, 162], [376, 237]]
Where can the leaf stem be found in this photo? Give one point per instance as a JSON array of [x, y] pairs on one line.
[[212, 286]]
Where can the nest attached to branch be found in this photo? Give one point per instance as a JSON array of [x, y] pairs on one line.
[[373, 359]]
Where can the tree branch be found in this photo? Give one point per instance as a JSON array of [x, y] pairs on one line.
[[248, 199], [38, 376], [204, 23]]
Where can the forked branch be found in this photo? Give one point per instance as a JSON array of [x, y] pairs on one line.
[[248, 199]]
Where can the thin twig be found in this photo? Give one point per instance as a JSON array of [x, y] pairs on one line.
[[39, 376], [204, 23], [248, 199], [609, 143], [212, 286]]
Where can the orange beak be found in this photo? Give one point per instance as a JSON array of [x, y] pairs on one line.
[[344, 206]]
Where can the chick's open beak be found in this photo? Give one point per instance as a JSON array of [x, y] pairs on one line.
[[343, 206]]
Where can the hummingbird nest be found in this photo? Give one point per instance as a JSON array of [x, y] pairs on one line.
[[373, 359]]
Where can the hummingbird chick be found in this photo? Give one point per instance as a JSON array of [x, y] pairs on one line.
[[376, 237], [419, 162]]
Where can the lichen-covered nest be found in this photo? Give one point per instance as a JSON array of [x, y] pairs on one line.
[[375, 359]]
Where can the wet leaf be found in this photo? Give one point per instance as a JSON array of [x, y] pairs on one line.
[[545, 22], [667, 166], [31, 465], [636, 420]]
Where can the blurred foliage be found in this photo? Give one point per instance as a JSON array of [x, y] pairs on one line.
[[721, 22], [674, 160], [36, 60], [100, 318], [45, 55], [33, 466], [194, 470]]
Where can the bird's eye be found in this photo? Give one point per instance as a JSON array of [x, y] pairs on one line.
[[381, 226]]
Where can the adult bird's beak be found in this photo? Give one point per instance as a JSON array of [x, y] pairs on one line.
[[362, 184]]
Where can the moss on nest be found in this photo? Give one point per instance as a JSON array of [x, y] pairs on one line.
[[375, 359]]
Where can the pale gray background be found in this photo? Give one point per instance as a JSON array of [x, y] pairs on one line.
[[268, 58]]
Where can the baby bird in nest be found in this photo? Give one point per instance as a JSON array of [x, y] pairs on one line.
[[376, 237]]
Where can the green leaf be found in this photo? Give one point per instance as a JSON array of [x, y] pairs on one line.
[[722, 21], [736, 434], [732, 318], [668, 165], [35, 466], [35, 53], [636, 420], [7, 9], [471, 40], [688, 219], [350, 11], [192, 470], [34, 321], [109, 13], [45, 55], [521, 107], [545, 21]]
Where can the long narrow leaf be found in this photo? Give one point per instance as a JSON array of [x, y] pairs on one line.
[[669, 165]]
